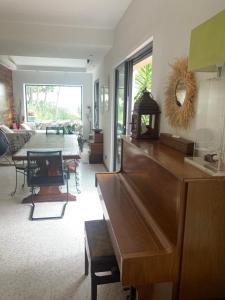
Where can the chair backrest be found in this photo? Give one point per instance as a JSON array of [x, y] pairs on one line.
[[44, 168], [4, 144]]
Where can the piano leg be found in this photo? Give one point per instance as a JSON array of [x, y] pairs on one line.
[[144, 292]]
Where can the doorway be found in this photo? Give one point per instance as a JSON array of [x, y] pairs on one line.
[[96, 104]]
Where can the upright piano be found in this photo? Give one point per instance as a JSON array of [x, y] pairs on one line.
[[166, 221]]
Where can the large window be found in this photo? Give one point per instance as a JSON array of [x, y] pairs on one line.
[[53, 102]]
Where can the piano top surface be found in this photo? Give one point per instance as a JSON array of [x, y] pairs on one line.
[[170, 159]]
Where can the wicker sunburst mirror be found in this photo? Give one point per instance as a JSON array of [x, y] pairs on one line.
[[180, 94]]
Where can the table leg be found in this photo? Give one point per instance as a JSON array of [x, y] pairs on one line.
[[48, 194]]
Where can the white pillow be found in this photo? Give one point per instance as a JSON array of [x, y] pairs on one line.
[[6, 129], [25, 126]]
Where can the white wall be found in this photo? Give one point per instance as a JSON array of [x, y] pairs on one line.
[[36, 77], [169, 23]]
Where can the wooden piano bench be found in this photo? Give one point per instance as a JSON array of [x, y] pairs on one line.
[[100, 255]]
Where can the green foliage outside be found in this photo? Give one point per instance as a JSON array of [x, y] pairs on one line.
[[48, 111], [143, 80]]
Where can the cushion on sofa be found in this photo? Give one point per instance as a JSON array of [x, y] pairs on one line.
[[5, 129], [17, 140]]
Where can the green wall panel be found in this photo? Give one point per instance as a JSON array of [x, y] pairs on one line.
[[207, 46]]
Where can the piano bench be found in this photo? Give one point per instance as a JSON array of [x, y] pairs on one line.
[[100, 255]]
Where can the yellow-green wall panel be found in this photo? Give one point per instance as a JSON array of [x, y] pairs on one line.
[[207, 46]]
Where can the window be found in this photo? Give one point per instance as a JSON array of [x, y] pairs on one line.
[[53, 102], [142, 78]]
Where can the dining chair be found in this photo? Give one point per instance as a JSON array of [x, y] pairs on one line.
[[45, 169]]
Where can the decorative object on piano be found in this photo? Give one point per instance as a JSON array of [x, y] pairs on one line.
[[178, 143], [180, 94], [145, 117], [211, 157]]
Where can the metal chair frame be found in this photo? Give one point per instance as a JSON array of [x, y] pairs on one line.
[[20, 168], [30, 171], [5, 144], [75, 162]]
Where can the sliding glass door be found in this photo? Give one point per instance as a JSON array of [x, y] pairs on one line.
[[120, 112], [131, 78]]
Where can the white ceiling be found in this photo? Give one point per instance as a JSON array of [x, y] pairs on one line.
[[44, 63], [80, 13], [64, 30]]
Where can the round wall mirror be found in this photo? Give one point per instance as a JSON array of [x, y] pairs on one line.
[[180, 94]]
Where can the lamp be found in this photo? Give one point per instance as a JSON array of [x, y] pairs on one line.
[[207, 54]]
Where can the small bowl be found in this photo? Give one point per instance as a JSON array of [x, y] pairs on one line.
[[96, 130]]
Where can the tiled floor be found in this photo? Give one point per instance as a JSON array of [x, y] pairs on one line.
[[44, 260]]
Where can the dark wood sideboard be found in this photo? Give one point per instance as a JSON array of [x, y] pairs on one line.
[[96, 149], [166, 221]]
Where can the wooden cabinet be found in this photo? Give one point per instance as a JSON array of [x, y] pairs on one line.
[[96, 149]]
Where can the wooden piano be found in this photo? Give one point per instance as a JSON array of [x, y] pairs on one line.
[[166, 220]]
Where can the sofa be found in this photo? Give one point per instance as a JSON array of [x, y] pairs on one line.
[[16, 138]]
